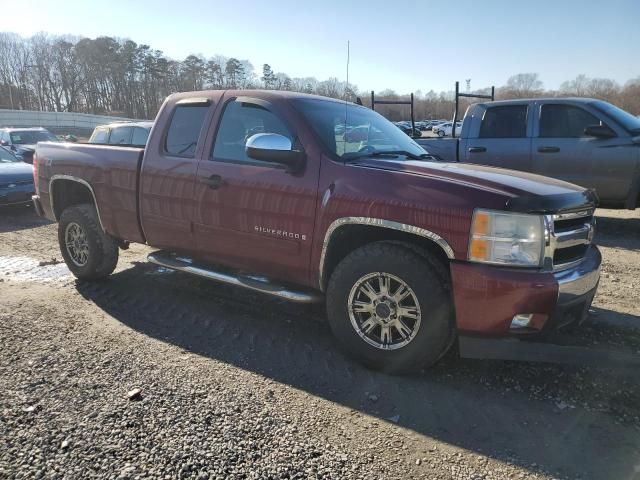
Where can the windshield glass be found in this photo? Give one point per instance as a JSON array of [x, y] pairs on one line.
[[351, 131], [31, 137], [624, 118], [6, 157]]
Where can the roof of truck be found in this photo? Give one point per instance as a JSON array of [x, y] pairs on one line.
[[145, 124], [273, 94], [542, 99]]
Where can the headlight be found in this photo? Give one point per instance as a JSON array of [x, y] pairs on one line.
[[505, 238]]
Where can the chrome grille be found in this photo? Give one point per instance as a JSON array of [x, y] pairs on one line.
[[569, 235]]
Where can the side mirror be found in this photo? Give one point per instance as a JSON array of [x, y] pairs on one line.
[[599, 131], [272, 147], [28, 158]]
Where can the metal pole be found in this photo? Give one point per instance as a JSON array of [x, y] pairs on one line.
[[455, 112], [373, 102], [413, 122], [493, 93]]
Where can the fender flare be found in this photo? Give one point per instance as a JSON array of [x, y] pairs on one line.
[[71, 178], [379, 223]]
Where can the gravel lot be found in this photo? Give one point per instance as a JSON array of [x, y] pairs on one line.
[[237, 385]]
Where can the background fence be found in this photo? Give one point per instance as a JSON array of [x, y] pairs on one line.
[[81, 124]]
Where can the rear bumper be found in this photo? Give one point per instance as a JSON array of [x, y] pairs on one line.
[[488, 298]]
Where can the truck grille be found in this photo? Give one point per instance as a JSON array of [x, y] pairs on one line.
[[570, 235]]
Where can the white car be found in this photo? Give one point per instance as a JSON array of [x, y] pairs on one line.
[[444, 129]]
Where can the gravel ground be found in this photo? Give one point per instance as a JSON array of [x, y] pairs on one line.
[[237, 385]]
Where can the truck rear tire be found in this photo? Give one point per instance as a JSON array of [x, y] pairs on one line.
[[87, 250], [390, 308]]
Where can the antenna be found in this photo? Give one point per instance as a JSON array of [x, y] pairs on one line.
[[346, 91]]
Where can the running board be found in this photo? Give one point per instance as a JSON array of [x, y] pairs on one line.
[[256, 283]]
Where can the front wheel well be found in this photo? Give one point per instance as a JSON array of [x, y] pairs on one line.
[[351, 237]]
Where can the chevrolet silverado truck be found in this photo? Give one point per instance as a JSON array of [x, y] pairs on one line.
[[579, 140], [256, 189]]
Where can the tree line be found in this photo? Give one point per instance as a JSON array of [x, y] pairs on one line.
[[112, 76]]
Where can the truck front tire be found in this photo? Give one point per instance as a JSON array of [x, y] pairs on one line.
[[389, 307], [87, 250]]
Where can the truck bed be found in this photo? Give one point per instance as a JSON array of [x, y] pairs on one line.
[[112, 173]]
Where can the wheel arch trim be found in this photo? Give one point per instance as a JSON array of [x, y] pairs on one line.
[[71, 178], [379, 223]]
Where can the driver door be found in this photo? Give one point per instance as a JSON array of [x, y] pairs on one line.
[[252, 215]]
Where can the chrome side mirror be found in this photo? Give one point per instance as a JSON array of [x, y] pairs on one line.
[[272, 147]]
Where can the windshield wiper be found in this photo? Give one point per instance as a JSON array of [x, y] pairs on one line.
[[385, 153]]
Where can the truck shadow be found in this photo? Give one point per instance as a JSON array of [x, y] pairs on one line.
[[618, 232], [549, 419], [16, 218]]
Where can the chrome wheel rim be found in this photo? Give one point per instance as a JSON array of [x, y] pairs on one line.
[[75, 239], [384, 311]]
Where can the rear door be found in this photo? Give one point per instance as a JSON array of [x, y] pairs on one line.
[[168, 174], [500, 136], [254, 215], [562, 150]]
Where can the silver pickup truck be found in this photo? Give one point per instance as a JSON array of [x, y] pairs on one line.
[[580, 140]]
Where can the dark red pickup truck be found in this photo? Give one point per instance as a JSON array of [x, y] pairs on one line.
[[271, 191]]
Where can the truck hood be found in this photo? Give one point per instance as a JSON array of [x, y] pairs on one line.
[[525, 192], [15, 172]]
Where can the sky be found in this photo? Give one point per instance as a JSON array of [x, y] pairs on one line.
[[402, 45]]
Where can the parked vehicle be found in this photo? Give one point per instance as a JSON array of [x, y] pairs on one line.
[[580, 140], [408, 129], [22, 141], [410, 255], [445, 129], [16, 179], [122, 133]]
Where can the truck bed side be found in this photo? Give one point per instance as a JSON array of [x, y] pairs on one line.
[[109, 175]]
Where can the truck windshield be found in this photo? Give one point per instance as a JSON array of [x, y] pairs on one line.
[[624, 118], [351, 131], [31, 137], [6, 157]]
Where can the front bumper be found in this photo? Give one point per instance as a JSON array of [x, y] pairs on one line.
[[487, 298]]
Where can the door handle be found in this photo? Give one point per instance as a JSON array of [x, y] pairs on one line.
[[214, 182], [477, 149], [548, 149]]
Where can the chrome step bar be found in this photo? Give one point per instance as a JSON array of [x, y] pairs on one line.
[[256, 283]]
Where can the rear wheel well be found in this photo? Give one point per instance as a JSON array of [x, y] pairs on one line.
[[351, 237], [65, 193]]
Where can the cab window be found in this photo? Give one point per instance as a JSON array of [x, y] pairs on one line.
[[184, 130], [139, 136], [565, 121], [100, 135], [504, 122], [240, 121], [120, 136]]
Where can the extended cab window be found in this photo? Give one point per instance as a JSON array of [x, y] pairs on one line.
[[120, 136], [184, 130], [240, 121], [565, 121], [504, 122]]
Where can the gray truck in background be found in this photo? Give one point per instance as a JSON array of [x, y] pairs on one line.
[[580, 140]]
